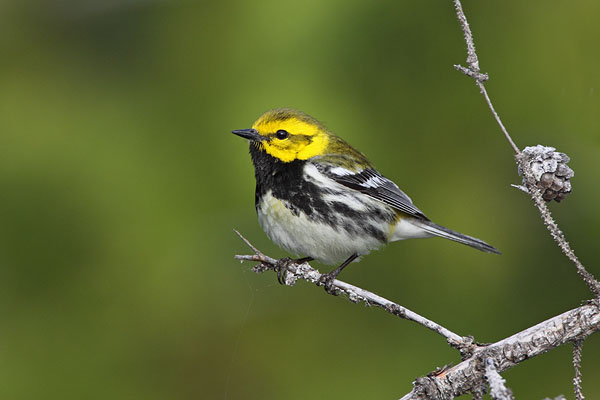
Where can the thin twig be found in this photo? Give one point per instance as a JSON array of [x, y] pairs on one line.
[[554, 230], [474, 72], [355, 294], [497, 117], [254, 249], [472, 59], [577, 345]]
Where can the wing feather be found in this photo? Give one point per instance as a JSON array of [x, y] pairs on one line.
[[375, 185]]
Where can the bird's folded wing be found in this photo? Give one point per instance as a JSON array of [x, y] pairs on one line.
[[375, 185]]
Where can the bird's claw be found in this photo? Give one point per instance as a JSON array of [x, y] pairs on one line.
[[281, 268], [283, 265], [327, 281]]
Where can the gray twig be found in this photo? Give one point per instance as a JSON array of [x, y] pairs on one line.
[[474, 72], [498, 389], [295, 271], [553, 228], [577, 345]]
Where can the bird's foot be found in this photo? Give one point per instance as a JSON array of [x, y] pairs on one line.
[[281, 268], [283, 264], [327, 281]]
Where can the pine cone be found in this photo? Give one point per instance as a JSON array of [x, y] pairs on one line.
[[550, 171]]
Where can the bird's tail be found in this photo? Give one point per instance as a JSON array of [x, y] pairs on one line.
[[444, 232]]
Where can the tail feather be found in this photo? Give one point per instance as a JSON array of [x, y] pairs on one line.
[[444, 232]]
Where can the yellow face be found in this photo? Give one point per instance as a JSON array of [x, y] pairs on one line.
[[291, 138]]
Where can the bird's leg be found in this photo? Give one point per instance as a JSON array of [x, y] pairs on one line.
[[283, 264], [327, 279], [303, 260]]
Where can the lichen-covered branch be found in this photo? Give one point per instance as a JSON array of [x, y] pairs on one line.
[[295, 271], [469, 375]]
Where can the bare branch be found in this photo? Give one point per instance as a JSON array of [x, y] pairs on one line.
[[468, 376], [474, 72], [463, 378], [295, 271]]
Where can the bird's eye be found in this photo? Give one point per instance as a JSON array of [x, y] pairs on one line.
[[281, 134]]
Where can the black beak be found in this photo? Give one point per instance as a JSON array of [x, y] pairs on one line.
[[250, 134]]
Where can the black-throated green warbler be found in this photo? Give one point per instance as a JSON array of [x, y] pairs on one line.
[[319, 197]]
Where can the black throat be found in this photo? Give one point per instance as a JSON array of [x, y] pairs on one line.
[[283, 179]]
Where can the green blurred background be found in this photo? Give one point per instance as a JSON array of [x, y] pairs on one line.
[[121, 186]]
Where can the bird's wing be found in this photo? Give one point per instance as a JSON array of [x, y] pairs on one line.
[[375, 185]]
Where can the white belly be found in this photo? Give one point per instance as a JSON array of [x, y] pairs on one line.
[[302, 236]]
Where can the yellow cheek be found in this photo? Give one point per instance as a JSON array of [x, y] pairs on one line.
[[294, 151], [285, 155], [314, 143], [315, 148]]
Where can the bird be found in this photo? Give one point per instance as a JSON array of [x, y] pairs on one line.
[[318, 197]]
